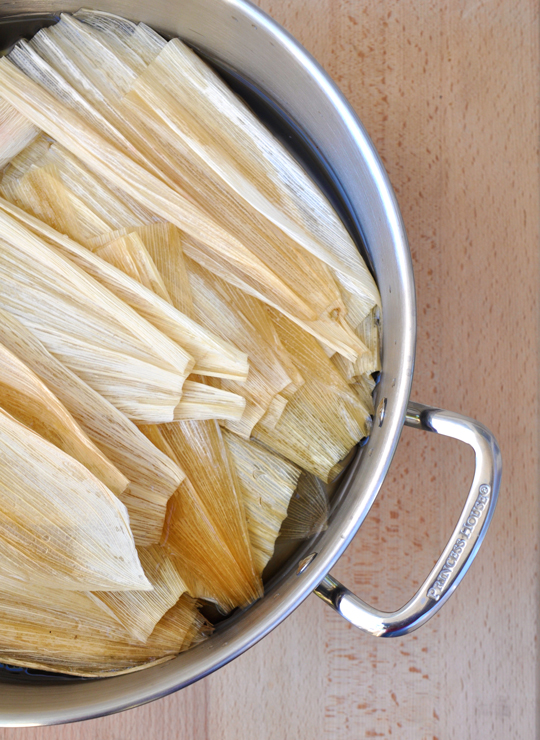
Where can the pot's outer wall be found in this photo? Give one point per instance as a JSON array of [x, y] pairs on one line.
[[243, 38]]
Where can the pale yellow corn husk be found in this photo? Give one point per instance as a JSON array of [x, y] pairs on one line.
[[163, 242], [307, 514], [19, 165], [95, 654], [231, 313], [42, 193], [267, 482], [141, 39], [273, 181], [140, 611], [26, 398], [325, 418], [130, 255], [116, 167], [201, 401], [153, 476], [16, 133], [212, 501], [345, 367], [214, 356], [116, 351], [59, 525]]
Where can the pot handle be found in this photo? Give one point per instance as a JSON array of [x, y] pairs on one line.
[[460, 550]]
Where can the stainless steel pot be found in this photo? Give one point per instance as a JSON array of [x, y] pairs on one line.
[[270, 65]]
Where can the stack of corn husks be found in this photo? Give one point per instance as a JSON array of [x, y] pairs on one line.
[[188, 337]]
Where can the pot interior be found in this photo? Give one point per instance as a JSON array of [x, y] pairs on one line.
[[296, 100]]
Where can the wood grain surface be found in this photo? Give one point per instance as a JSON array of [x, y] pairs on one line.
[[448, 91]]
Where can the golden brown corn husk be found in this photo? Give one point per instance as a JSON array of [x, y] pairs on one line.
[[199, 449], [307, 514], [267, 482], [214, 356], [59, 525], [26, 398], [79, 653], [153, 476], [324, 419], [54, 608], [16, 133], [140, 611]]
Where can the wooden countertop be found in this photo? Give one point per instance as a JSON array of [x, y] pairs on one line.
[[448, 92]]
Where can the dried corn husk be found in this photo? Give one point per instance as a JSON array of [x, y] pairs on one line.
[[59, 525], [130, 255], [214, 356], [307, 514], [60, 609], [26, 398], [90, 329], [239, 148], [19, 165], [79, 652], [140, 611], [324, 419], [141, 39], [153, 476], [206, 527], [267, 482], [226, 250], [240, 317], [201, 401], [16, 133]]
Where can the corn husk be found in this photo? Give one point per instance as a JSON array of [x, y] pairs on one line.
[[201, 401], [153, 476], [28, 400], [324, 419], [42, 193], [122, 356], [130, 255], [139, 611], [267, 482], [231, 313], [32, 154], [60, 609], [252, 162], [307, 514], [78, 652], [16, 133], [178, 207], [214, 356], [59, 525], [119, 32], [206, 528]]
